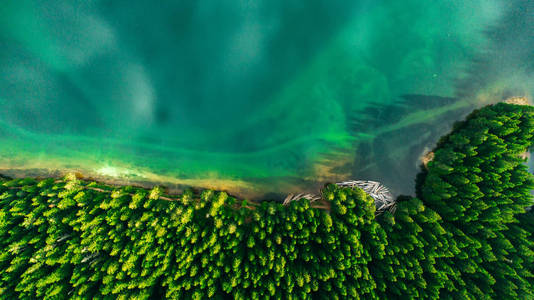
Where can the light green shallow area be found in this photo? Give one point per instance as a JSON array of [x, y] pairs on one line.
[[258, 98]]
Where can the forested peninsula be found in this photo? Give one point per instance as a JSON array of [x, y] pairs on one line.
[[466, 235]]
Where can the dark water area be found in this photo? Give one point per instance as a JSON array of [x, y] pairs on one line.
[[259, 98]]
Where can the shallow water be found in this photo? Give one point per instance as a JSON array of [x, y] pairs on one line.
[[255, 97]]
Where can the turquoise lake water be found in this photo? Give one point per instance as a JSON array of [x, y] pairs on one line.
[[259, 98]]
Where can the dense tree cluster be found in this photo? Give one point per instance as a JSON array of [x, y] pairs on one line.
[[415, 239], [526, 222], [466, 235], [478, 183], [74, 239]]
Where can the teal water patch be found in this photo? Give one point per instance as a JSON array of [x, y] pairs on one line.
[[253, 97]]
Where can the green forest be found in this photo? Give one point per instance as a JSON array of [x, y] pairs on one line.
[[467, 234]]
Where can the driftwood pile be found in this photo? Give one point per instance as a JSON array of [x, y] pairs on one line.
[[383, 198]]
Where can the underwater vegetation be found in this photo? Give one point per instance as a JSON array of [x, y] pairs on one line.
[[467, 234]]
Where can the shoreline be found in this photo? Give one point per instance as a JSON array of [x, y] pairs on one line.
[[237, 188]]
